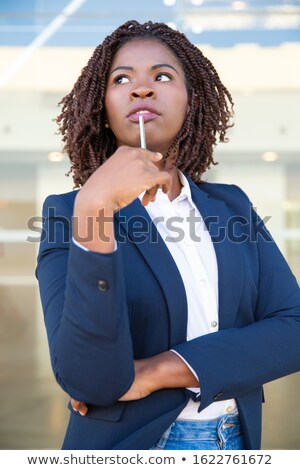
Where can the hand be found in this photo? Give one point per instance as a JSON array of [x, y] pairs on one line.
[[141, 386], [165, 370], [79, 406], [122, 178]]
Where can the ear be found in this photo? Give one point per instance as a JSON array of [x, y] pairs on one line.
[[106, 121]]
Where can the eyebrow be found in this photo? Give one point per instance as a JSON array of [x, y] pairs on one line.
[[154, 67]]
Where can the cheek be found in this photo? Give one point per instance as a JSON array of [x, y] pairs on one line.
[[108, 107], [183, 107], [182, 101], [112, 105]]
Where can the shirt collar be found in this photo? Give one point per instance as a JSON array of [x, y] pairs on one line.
[[185, 192]]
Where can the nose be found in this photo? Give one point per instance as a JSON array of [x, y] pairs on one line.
[[142, 92]]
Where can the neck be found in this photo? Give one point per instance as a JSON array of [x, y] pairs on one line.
[[175, 184]]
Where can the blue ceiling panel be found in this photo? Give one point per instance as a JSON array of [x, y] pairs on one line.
[[21, 21], [231, 38]]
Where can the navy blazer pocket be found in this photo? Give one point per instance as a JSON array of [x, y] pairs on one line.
[[106, 413]]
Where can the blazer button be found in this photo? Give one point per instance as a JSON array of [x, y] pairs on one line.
[[102, 285]]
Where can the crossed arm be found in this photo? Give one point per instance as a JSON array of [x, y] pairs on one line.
[[165, 370]]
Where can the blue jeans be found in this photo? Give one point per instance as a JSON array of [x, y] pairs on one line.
[[222, 433]]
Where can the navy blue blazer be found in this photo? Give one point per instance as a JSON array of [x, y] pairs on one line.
[[104, 310]]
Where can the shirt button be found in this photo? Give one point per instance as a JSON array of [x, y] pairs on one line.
[[187, 242], [214, 324], [102, 285], [229, 409], [202, 282]]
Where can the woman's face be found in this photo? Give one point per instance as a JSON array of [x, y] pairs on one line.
[[146, 79]]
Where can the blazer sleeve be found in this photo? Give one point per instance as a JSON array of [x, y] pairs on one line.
[[234, 361], [84, 304]]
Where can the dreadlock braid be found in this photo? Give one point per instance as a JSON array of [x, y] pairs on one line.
[[82, 118]]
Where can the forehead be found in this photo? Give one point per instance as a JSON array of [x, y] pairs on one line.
[[140, 51]]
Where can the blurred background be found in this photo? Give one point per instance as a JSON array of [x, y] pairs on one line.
[[255, 46]]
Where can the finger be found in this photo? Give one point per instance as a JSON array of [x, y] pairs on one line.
[[75, 404], [79, 406], [163, 180], [149, 195], [165, 188]]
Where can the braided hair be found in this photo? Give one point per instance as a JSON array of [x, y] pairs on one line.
[[82, 119]]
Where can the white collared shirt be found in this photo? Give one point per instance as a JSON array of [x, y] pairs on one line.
[[182, 228]]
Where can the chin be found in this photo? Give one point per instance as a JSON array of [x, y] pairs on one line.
[[157, 147]]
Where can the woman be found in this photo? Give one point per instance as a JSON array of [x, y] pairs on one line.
[[162, 334]]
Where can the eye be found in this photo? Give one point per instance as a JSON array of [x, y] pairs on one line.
[[163, 77], [121, 79]]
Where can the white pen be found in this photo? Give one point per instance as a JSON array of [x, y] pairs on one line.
[[142, 132]]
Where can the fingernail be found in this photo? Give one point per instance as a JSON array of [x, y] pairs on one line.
[[159, 154]]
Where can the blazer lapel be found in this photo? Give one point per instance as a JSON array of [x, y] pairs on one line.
[[228, 252], [162, 264]]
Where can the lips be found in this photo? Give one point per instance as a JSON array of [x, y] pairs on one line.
[[148, 112]]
